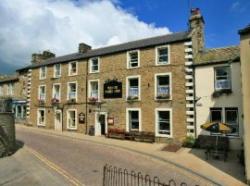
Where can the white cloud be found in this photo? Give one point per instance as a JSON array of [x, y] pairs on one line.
[[28, 26]]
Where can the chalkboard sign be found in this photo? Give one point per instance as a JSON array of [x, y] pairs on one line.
[[112, 89]]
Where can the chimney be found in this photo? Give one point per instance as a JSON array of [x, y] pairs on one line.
[[40, 57], [196, 27], [83, 48]]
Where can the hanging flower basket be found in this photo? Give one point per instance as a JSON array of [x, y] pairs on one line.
[[93, 99], [55, 101]]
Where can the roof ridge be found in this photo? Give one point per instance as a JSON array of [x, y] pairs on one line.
[[225, 47], [138, 40]]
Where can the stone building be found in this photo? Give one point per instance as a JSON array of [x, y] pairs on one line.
[[143, 85], [14, 87], [245, 73]]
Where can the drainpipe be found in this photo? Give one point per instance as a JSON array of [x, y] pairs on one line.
[[86, 98]]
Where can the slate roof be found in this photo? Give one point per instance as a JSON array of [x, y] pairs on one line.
[[143, 43], [245, 30], [9, 78], [217, 55]]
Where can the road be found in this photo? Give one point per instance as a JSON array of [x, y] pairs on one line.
[[84, 161]]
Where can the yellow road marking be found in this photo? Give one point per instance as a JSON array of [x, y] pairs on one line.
[[65, 174]]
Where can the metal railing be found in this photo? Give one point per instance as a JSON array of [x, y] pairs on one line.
[[113, 176]]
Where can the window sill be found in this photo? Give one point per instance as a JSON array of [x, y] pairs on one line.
[[133, 100], [163, 100], [164, 135], [158, 64], [55, 78], [95, 72], [133, 67], [71, 129], [41, 125]]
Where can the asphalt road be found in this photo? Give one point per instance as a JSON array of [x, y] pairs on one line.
[[84, 161]]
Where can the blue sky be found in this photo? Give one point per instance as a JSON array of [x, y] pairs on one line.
[[223, 18], [31, 26]]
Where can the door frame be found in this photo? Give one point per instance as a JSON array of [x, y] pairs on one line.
[[98, 123], [56, 112]]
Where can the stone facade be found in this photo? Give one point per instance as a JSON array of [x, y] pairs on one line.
[[114, 66]]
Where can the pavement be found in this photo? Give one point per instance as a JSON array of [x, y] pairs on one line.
[[190, 163], [23, 169]]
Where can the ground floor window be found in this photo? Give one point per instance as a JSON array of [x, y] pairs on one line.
[[71, 118], [228, 115], [41, 117], [163, 122], [133, 119]]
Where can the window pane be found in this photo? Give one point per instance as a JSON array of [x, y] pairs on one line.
[[133, 87], [133, 59], [216, 115], [94, 65], [164, 122], [134, 120], [163, 55], [231, 115], [163, 80]]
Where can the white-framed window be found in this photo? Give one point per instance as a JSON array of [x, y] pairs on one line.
[[72, 91], [232, 119], [57, 70], [162, 55], [72, 119], [1, 90], [163, 122], [42, 72], [10, 89], [133, 87], [41, 117], [133, 59], [56, 92], [133, 119], [73, 68], [94, 65], [42, 92], [227, 115], [222, 78], [94, 92], [163, 86]]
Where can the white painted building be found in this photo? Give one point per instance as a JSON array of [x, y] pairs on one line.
[[218, 91]]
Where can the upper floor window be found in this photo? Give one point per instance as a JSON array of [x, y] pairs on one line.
[[133, 59], [73, 68], [94, 65], [56, 92], [93, 90], [133, 88], [42, 74], [222, 78], [72, 91], [162, 55], [57, 70], [10, 90], [42, 93], [162, 86]]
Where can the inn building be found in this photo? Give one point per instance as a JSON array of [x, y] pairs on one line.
[[144, 85]]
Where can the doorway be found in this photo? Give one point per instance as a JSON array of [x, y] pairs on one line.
[[58, 120], [101, 123]]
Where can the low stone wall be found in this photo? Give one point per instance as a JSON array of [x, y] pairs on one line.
[[7, 133]]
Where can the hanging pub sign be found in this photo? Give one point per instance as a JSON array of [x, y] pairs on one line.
[[112, 89], [81, 117]]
